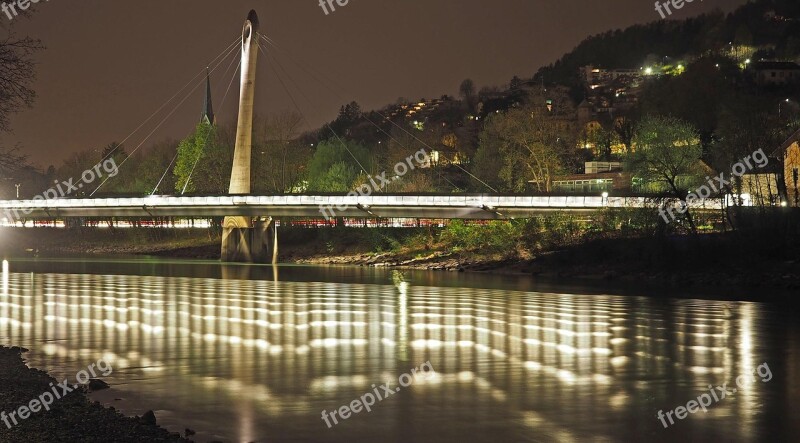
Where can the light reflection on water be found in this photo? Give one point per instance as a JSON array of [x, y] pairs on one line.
[[258, 360]]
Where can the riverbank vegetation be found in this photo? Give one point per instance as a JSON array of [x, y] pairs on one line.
[[614, 243]]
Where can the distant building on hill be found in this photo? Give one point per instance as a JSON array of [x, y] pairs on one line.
[[593, 183], [599, 78], [772, 73], [610, 93], [421, 109], [600, 167], [599, 177]]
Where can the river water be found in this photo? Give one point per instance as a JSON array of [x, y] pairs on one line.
[[257, 353]]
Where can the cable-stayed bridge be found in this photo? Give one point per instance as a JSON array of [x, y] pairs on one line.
[[249, 231]]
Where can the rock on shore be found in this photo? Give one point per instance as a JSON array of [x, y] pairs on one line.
[[73, 418]]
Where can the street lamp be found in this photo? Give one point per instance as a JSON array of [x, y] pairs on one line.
[[780, 105], [16, 185]]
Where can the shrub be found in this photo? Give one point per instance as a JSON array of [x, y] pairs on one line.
[[495, 236]]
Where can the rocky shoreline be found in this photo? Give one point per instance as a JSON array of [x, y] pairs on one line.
[[73, 418], [778, 275]]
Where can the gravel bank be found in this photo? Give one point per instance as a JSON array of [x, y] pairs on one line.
[[73, 418]]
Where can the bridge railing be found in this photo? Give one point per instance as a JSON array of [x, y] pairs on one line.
[[308, 201]]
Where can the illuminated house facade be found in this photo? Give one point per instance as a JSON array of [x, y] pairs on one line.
[[789, 153], [763, 186]]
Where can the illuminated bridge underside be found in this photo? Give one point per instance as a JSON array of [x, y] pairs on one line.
[[383, 206]]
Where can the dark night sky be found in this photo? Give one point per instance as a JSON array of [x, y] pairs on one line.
[[110, 64]]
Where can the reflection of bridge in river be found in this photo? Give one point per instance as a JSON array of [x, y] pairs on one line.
[[559, 363]]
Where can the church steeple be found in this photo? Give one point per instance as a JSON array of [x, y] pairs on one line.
[[208, 108]]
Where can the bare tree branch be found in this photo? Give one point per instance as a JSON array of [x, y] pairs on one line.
[[11, 161], [17, 74]]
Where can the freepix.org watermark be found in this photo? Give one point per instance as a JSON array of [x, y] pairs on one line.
[[327, 5], [757, 159], [661, 7], [13, 9], [366, 401], [65, 188], [715, 395], [56, 392], [420, 159]]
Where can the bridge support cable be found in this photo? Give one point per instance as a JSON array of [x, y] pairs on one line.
[[340, 97], [328, 126], [166, 171], [338, 138], [310, 71], [226, 52], [291, 97], [208, 134], [165, 118]]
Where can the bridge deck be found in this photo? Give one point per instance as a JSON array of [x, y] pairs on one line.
[[384, 206]]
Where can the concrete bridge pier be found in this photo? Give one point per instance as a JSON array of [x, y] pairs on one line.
[[249, 241]]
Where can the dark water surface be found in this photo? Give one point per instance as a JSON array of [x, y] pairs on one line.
[[247, 353]]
